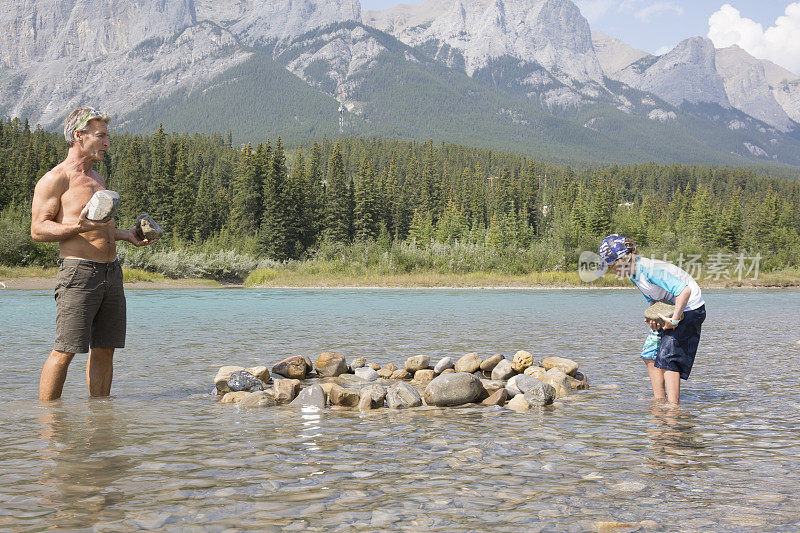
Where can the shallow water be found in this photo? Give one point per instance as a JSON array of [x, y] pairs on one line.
[[161, 454]]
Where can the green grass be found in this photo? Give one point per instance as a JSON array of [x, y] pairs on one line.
[[134, 274], [26, 272]]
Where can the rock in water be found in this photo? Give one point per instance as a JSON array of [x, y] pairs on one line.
[[331, 364], [503, 370], [401, 374], [371, 397], [285, 390], [358, 362], [386, 371], [417, 362], [223, 374], [147, 228], [424, 375], [489, 364], [567, 365], [261, 372], [402, 396], [259, 399], [560, 382], [519, 404], [453, 389], [522, 360], [244, 380], [443, 364], [235, 397], [367, 374], [540, 394], [103, 206], [343, 397], [294, 367], [522, 383], [312, 397], [651, 313], [536, 371], [470, 363]]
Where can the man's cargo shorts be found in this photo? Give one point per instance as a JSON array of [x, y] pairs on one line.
[[90, 306]]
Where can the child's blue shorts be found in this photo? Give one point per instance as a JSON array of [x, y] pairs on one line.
[[679, 345]]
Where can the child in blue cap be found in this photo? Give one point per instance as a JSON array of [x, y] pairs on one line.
[[669, 350]]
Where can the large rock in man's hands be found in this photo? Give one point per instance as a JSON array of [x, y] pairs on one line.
[[103, 206], [147, 228]]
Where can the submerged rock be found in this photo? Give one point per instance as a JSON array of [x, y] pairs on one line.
[[560, 382], [568, 366], [522, 360], [417, 362], [519, 404], [259, 399], [470, 363], [503, 370], [499, 397], [402, 396], [294, 367], [330, 364], [243, 380], [453, 389], [312, 397], [235, 397]]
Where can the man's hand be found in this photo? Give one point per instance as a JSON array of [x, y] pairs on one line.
[[653, 324], [132, 237], [84, 224], [667, 321]]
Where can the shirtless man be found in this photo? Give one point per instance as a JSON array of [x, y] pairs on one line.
[[90, 300]]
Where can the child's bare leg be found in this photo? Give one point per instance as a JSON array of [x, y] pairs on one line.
[[672, 380], [656, 379]]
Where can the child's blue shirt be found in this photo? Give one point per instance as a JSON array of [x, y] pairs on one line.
[[659, 280]]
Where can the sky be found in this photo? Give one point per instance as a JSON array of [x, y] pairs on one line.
[[768, 29]]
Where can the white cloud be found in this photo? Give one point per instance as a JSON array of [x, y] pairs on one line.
[[780, 43], [594, 10], [646, 14]]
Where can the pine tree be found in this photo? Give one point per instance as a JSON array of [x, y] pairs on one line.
[[246, 193], [185, 196], [277, 236], [133, 183], [337, 204], [366, 209]]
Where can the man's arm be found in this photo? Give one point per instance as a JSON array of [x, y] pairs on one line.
[[46, 204], [130, 236], [680, 304]]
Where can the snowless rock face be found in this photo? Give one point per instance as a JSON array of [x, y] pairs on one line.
[[687, 73], [117, 54], [552, 33], [788, 96], [614, 54], [746, 86]]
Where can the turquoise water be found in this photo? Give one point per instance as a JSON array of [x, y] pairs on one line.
[[161, 454]]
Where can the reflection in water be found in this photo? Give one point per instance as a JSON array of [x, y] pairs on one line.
[[675, 441], [81, 462]]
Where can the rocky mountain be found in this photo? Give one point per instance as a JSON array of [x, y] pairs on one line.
[[614, 54], [550, 33], [687, 73], [526, 75]]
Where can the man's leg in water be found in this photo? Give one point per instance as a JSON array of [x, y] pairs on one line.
[[54, 372], [100, 371], [656, 379]]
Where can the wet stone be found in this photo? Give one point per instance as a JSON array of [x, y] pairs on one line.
[[402, 396], [424, 375], [371, 397], [521, 383], [244, 381], [386, 371], [417, 362], [443, 364], [294, 367], [223, 374], [491, 362], [519, 404], [343, 397], [470, 363], [401, 374], [540, 394], [358, 362], [312, 397], [537, 372], [259, 399], [374, 366], [235, 397], [453, 389], [261, 372], [330, 364], [285, 390], [503, 370]]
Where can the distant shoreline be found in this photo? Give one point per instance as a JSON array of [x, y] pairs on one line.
[[23, 280]]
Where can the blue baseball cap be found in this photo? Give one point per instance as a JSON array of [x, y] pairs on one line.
[[614, 247]]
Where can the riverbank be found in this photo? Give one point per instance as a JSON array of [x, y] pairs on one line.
[[33, 278]]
